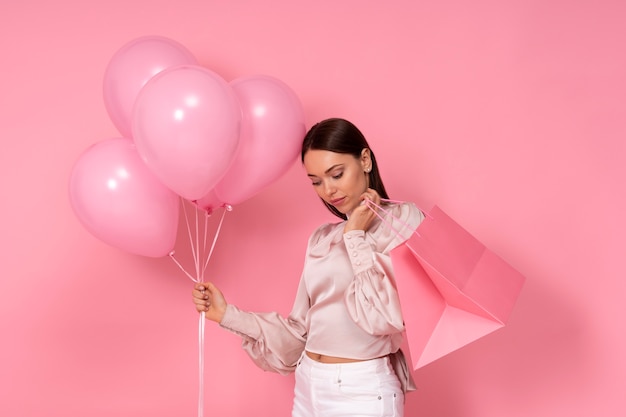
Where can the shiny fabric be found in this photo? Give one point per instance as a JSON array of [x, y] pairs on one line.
[[346, 304], [364, 389]]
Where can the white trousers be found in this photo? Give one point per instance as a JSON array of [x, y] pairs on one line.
[[356, 389]]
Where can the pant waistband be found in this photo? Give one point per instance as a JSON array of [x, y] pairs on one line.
[[382, 364]]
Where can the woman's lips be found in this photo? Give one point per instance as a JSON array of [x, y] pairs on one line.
[[337, 202]]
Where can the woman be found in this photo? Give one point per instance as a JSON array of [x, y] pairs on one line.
[[343, 335]]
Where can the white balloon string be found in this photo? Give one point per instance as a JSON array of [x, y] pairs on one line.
[[201, 365], [202, 318], [217, 233], [204, 245], [198, 249], [198, 253], [201, 264], [193, 249], [181, 267]]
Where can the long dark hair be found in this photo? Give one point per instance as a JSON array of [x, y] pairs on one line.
[[341, 136]]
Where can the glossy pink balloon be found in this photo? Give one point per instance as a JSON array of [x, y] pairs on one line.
[[186, 126], [121, 202], [209, 202], [129, 70], [271, 137]]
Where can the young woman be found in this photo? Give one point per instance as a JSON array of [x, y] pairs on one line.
[[343, 335]]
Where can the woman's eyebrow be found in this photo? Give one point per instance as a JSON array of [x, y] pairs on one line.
[[333, 167], [328, 170]]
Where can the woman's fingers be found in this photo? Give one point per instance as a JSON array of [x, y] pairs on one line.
[[209, 299], [200, 297]]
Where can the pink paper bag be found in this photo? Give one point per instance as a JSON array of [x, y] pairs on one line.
[[453, 290]]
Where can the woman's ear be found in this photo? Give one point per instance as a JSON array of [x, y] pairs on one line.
[[366, 160]]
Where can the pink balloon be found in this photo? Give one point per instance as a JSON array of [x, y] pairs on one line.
[[130, 69], [271, 137], [209, 202], [121, 202], [186, 126]]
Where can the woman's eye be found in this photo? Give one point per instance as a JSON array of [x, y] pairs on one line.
[[315, 183], [337, 176]]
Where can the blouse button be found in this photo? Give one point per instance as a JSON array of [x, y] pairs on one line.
[[355, 254]]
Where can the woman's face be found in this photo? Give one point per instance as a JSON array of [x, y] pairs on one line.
[[339, 179]]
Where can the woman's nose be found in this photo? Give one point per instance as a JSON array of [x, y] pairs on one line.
[[329, 188]]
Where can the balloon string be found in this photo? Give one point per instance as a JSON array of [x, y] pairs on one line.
[[181, 267], [197, 257], [217, 233], [198, 253], [201, 365], [193, 249], [206, 226]]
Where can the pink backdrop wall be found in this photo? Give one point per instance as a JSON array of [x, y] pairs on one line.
[[509, 115]]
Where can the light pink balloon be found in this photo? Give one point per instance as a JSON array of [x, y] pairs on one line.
[[186, 126], [121, 202], [271, 137], [209, 202], [129, 70]]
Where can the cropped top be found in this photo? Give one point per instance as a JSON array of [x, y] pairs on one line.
[[346, 304]]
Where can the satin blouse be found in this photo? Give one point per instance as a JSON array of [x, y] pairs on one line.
[[346, 304]]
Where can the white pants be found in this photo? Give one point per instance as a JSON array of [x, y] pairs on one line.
[[364, 389]]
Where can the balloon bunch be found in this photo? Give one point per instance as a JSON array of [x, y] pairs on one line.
[[186, 133]]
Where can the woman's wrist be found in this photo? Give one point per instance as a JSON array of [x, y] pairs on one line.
[[219, 315]]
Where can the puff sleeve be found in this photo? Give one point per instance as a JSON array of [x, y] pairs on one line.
[[372, 298], [274, 343]]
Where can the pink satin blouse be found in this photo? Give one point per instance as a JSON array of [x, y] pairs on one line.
[[346, 304]]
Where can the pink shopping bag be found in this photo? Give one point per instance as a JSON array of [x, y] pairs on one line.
[[453, 290]]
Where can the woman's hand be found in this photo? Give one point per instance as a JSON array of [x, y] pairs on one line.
[[361, 217], [210, 300]]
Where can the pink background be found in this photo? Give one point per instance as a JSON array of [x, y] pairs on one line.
[[509, 115]]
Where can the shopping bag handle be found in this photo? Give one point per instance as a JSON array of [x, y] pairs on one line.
[[424, 212], [373, 206]]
